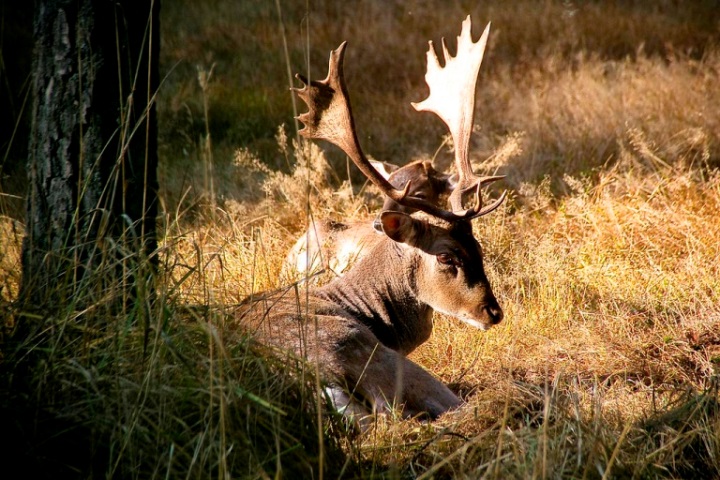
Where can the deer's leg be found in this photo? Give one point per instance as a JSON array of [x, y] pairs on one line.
[[387, 379], [353, 410]]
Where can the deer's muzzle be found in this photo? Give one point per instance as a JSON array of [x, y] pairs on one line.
[[493, 313]]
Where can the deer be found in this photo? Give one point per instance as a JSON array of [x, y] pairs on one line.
[[359, 328]]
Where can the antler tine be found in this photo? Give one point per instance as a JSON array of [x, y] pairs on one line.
[[452, 98], [329, 117], [478, 210]]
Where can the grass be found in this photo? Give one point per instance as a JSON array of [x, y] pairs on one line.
[[605, 259]]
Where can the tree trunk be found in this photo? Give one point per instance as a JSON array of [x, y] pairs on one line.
[[92, 159]]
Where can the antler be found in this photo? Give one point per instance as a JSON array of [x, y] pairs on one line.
[[330, 118], [452, 98]]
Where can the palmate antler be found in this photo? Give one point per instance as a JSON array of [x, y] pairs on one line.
[[452, 98], [330, 118]]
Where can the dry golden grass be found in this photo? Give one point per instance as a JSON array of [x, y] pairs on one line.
[[11, 232], [612, 320]]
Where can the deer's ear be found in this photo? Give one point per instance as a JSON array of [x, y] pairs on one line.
[[384, 168], [400, 227]]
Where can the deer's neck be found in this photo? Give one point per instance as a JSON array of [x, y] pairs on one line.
[[380, 292]]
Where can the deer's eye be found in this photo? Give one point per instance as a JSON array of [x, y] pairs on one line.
[[447, 259]]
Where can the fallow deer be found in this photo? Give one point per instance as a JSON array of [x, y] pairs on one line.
[[360, 327]]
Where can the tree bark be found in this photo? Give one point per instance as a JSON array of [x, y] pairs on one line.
[[92, 159]]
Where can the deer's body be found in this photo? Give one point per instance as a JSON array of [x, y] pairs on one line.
[[381, 310], [351, 357]]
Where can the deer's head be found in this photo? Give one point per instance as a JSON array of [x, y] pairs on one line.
[[449, 264], [445, 263]]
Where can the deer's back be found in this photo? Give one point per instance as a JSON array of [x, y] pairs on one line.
[[330, 245], [307, 326]]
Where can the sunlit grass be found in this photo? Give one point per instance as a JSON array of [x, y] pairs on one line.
[[610, 293]]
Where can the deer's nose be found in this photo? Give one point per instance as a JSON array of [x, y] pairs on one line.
[[494, 313]]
